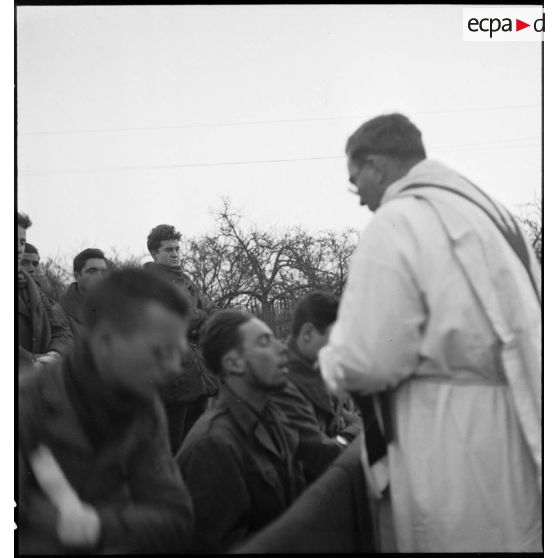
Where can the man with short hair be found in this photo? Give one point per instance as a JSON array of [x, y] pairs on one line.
[[313, 317], [42, 334], [441, 317], [186, 398], [96, 474], [30, 261], [241, 458], [89, 268]]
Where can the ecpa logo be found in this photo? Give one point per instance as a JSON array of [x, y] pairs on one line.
[[503, 24]]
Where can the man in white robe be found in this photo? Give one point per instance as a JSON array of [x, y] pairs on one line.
[[441, 317]]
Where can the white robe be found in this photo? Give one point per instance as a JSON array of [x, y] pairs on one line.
[[438, 308]]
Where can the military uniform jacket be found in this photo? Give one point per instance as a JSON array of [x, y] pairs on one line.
[[239, 477]]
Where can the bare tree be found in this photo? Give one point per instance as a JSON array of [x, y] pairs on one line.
[[54, 278], [323, 260], [263, 270], [118, 261]]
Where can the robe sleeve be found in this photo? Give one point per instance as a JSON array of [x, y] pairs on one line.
[[375, 343]]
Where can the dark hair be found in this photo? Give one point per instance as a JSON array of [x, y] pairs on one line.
[[220, 334], [81, 259], [319, 308], [120, 298], [160, 233], [30, 249], [23, 220], [389, 134]]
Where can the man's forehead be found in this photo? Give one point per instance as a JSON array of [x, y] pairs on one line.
[[171, 243], [31, 256], [253, 329]]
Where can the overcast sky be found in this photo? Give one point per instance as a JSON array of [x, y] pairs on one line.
[[131, 116], [150, 90]]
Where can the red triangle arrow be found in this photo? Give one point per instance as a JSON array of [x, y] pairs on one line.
[[519, 25]]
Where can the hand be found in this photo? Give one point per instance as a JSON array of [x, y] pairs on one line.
[[78, 524], [46, 359]]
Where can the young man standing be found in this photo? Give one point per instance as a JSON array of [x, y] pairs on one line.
[[43, 335], [89, 266], [186, 398]]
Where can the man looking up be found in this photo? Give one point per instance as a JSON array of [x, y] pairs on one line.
[[186, 398], [96, 471], [42, 334], [89, 267], [241, 457]]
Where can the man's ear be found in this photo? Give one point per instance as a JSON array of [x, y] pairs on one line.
[[387, 167], [153, 253], [232, 362], [76, 275]]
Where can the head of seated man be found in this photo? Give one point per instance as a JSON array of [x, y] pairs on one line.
[[313, 318], [245, 353]]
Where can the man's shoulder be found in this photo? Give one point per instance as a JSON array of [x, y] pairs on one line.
[[291, 392], [69, 299], [214, 425], [291, 405], [214, 431], [170, 274]]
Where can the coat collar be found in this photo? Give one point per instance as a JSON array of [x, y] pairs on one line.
[[309, 381], [429, 171], [251, 422]]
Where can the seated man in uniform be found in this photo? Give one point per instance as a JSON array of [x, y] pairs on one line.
[[242, 459], [313, 317], [96, 474]]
